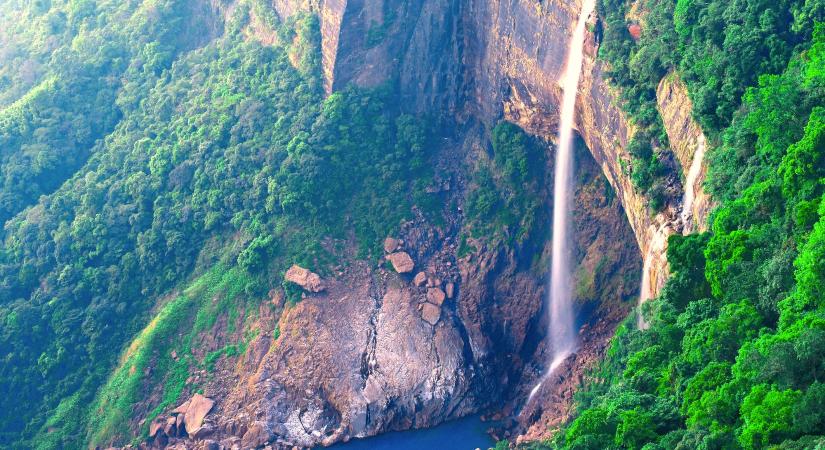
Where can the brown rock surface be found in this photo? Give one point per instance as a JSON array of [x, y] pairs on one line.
[[199, 407], [391, 244], [435, 296], [449, 289], [155, 427], [308, 280], [170, 427], [430, 313], [258, 435], [401, 262], [688, 143], [420, 279], [181, 409]]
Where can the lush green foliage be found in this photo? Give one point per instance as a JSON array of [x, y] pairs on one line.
[[504, 203], [212, 159], [719, 48], [733, 356]]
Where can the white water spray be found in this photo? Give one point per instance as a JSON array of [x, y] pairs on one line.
[[562, 320], [690, 181]]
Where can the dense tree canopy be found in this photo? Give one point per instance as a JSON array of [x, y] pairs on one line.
[[733, 356], [142, 157]]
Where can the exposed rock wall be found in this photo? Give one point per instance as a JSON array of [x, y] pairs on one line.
[[689, 145], [488, 59], [517, 64], [501, 58], [361, 357]]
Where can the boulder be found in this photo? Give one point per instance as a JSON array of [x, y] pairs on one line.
[[179, 424], [401, 262], [182, 408], [199, 407], [449, 289], [420, 279], [430, 313], [277, 297], [170, 428], [435, 296], [308, 280], [208, 444], [258, 435], [203, 432], [156, 426], [391, 244]]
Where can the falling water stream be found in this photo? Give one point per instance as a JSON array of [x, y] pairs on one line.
[[562, 318], [690, 180]]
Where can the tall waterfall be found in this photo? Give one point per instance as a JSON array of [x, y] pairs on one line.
[[562, 319]]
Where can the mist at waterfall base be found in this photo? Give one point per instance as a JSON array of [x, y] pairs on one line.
[[562, 330]]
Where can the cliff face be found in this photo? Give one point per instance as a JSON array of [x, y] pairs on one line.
[[366, 356], [360, 359], [490, 59]]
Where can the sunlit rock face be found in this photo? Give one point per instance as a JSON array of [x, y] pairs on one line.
[[365, 356], [489, 59]]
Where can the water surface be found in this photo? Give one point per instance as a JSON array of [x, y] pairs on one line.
[[462, 434]]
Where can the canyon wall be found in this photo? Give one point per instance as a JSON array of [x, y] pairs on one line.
[[362, 358], [492, 59]]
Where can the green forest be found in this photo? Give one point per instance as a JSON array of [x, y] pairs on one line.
[[197, 169], [164, 162], [733, 357]]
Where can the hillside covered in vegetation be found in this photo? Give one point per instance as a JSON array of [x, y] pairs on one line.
[[142, 157], [169, 169], [733, 356]]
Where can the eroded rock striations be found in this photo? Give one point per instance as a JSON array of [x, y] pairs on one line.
[[377, 351]]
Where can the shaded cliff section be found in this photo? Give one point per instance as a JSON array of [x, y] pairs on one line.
[[363, 357], [493, 59]]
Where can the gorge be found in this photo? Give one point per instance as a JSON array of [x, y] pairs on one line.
[[293, 224]]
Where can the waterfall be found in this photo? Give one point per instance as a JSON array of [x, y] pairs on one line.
[[562, 319], [690, 181]]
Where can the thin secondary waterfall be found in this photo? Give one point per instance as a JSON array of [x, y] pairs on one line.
[[690, 181], [562, 319]]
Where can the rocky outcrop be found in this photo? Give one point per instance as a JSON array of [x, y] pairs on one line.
[[689, 145], [309, 281], [377, 351], [199, 407], [492, 58], [401, 262], [185, 421]]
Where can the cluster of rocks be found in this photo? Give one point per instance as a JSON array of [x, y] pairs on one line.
[[437, 293], [401, 261], [308, 280], [187, 420]]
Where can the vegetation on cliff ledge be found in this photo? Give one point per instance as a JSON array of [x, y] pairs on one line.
[[733, 356], [162, 167]]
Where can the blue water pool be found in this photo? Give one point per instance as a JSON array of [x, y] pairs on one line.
[[462, 434]]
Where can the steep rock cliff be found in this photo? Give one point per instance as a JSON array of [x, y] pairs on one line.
[[358, 359], [501, 58]]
